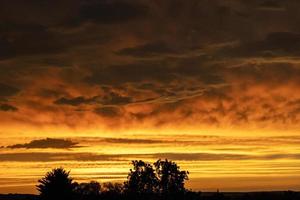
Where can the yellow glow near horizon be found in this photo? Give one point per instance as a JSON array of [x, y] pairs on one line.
[[210, 155]]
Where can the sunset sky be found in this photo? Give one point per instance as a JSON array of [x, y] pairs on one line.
[[90, 85]]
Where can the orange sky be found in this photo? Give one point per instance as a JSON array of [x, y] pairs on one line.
[[212, 85]]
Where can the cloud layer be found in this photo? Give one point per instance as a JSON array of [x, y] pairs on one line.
[[45, 143], [121, 64]]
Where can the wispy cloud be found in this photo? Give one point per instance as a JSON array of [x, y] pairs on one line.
[[82, 157]]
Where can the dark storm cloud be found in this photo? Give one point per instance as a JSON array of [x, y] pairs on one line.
[[46, 143], [8, 108], [48, 93], [200, 69], [182, 103], [221, 93], [108, 111], [75, 101], [276, 44], [170, 108], [148, 50], [51, 61], [109, 98], [7, 90], [193, 60], [107, 12], [27, 39], [163, 71], [118, 74], [275, 73], [272, 5], [113, 98]]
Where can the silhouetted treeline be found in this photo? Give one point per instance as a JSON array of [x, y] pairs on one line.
[[287, 195], [162, 180]]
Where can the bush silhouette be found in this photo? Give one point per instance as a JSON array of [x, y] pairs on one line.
[[56, 185], [89, 190], [113, 191], [113, 188]]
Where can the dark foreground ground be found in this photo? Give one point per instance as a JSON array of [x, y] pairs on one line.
[[285, 195]]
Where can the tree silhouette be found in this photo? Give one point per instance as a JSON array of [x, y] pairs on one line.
[[163, 181], [171, 179], [141, 179], [57, 185]]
